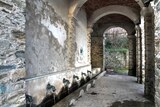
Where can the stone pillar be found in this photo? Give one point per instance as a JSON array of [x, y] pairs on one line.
[[126, 59], [97, 52], [149, 53], [132, 54], [139, 54], [104, 53], [89, 31], [157, 51], [71, 42]]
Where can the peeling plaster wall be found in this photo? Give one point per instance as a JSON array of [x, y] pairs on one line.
[[61, 7], [46, 34], [46, 47], [46, 38], [157, 51], [81, 39]]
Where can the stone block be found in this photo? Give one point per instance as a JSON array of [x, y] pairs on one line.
[[2, 76], [20, 54], [2, 88], [6, 68], [16, 97], [3, 99], [4, 46], [18, 34], [157, 101], [6, 5], [12, 93], [17, 74], [8, 73]]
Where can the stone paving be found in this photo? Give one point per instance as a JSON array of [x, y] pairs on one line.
[[115, 91]]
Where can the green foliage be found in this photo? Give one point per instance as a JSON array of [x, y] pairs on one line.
[[117, 49], [108, 44], [116, 42], [121, 70]]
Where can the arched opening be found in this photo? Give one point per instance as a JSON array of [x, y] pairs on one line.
[[97, 36], [97, 43], [116, 52]]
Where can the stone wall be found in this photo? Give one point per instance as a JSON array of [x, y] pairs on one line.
[[12, 46], [157, 51], [116, 59]]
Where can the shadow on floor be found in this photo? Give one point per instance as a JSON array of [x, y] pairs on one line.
[[132, 104]]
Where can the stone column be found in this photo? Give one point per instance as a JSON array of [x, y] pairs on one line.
[[132, 54], [139, 54], [71, 42], [89, 31], [157, 51], [104, 53], [149, 53], [97, 52]]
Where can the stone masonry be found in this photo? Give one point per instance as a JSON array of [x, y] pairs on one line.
[[157, 52], [12, 58], [97, 52], [132, 54], [149, 53]]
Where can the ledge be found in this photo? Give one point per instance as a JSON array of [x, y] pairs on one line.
[[73, 97]]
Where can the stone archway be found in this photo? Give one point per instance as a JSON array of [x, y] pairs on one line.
[[122, 10], [148, 15], [97, 35], [116, 54], [75, 6]]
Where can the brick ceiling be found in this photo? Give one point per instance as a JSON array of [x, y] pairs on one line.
[[92, 5], [114, 18]]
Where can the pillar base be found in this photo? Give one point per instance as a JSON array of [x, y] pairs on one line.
[[139, 80], [132, 72]]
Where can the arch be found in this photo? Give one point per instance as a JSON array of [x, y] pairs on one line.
[[115, 26], [123, 10], [75, 7], [107, 39], [140, 3], [129, 27]]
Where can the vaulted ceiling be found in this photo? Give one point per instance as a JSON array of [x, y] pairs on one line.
[[114, 18], [92, 5]]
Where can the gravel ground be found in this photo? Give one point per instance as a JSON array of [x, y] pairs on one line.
[[112, 91]]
